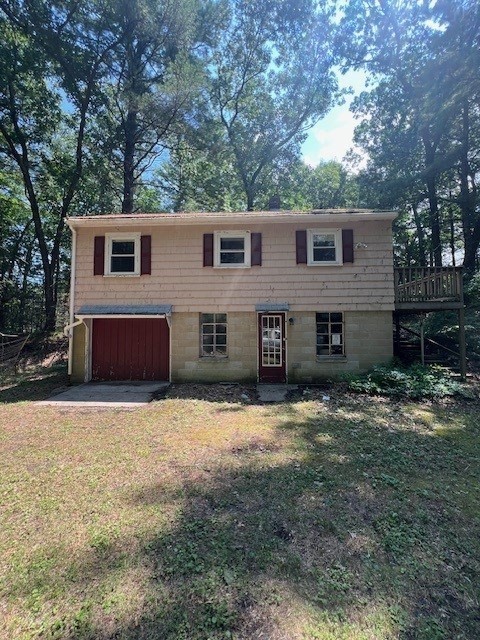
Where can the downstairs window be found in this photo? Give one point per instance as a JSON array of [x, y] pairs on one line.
[[330, 334], [213, 335]]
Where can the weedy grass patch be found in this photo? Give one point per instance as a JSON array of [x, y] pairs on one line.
[[195, 518]]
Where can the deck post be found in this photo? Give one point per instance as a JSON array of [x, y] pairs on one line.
[[396, 317], [461, 344], [422, 338]]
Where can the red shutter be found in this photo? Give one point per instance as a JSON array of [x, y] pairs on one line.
[[146, 255], [208, 249], [256, 240], [347, 245], [301, 238], [99, 256]]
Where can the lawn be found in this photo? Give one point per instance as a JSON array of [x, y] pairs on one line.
[[207, 516]]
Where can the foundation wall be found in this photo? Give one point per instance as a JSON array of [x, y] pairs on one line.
[[241, 363], [368, 341], [78, 354]]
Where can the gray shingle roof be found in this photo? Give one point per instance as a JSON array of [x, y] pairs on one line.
[[272, 306], [125, 309]]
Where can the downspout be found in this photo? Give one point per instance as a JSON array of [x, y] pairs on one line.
[[69, 328]]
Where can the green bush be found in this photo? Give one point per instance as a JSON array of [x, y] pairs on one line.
[[414, 382], [472, 291]]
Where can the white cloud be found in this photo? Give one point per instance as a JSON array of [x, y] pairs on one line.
[[332, 137]]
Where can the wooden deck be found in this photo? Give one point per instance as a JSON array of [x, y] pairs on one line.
[[425, 289], [428, 288]]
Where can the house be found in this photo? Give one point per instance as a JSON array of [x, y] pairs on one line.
[[252, 296]]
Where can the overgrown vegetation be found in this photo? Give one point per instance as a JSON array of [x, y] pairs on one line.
[[415, 381], [353, 518]]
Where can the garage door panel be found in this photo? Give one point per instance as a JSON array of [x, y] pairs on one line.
[[130, 349]]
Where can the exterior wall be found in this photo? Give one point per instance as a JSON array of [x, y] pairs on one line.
[[241, 363], [78, 354], [368, 341], [179, 278]]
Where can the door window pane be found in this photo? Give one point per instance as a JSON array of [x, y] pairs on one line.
[[271, 341]]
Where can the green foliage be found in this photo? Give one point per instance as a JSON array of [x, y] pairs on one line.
[[269, 81], [420, 123], [413, 382], [472, 291]]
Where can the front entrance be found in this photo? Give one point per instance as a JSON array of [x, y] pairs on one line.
[[271, 348]]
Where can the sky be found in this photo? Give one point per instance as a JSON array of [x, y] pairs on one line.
[[331, 138]]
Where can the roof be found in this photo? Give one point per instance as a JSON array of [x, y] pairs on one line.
[[148, 219], [272, 306]]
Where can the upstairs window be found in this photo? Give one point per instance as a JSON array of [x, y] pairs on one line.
[[232, 249], [330, 334], [213, 335], [122, 255], [324, 247]]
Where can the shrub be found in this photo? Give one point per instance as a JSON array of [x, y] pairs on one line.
[[414, 382]]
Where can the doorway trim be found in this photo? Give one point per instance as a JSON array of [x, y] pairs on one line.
[[272, 327]]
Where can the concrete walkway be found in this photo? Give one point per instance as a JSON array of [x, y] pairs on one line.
[[106, 394], [274, 392]]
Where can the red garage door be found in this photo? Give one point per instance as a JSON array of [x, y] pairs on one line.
[[130, 349]]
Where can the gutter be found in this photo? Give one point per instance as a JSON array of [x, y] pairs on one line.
[[330, 219], [68, 329]]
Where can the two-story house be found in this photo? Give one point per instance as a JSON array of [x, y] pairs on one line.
[[253, 296]]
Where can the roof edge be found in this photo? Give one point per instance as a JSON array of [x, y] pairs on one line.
[[146, 219]]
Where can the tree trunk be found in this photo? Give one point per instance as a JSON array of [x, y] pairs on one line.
[[420, 235], [23, 297], [430, 182], [130, 129], [250, 197], [452, 232], [468, 198]]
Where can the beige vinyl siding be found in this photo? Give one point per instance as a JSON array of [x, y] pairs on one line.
[[179, 278]]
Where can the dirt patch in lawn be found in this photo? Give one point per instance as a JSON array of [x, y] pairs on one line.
[[228, 392]]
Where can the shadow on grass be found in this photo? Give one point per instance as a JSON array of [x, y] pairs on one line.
[[36, 385], [366, 529]]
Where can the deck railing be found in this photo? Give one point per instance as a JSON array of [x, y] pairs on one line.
[[428, 284]]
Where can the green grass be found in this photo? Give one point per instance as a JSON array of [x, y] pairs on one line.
[[351, 519]]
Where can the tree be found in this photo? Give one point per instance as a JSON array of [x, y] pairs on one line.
[[154, 79], [425, 78], [52, 54], [16, 248], [270, 80]]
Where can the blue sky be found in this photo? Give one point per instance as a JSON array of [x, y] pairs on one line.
[[331, 138]]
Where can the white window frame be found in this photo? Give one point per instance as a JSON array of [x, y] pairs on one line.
[[218, 235], [337, 233], [110, 238]]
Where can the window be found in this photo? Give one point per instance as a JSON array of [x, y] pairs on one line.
[[213, 334], [232, 249], [324, 247], [122, 257], [330, 334]]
